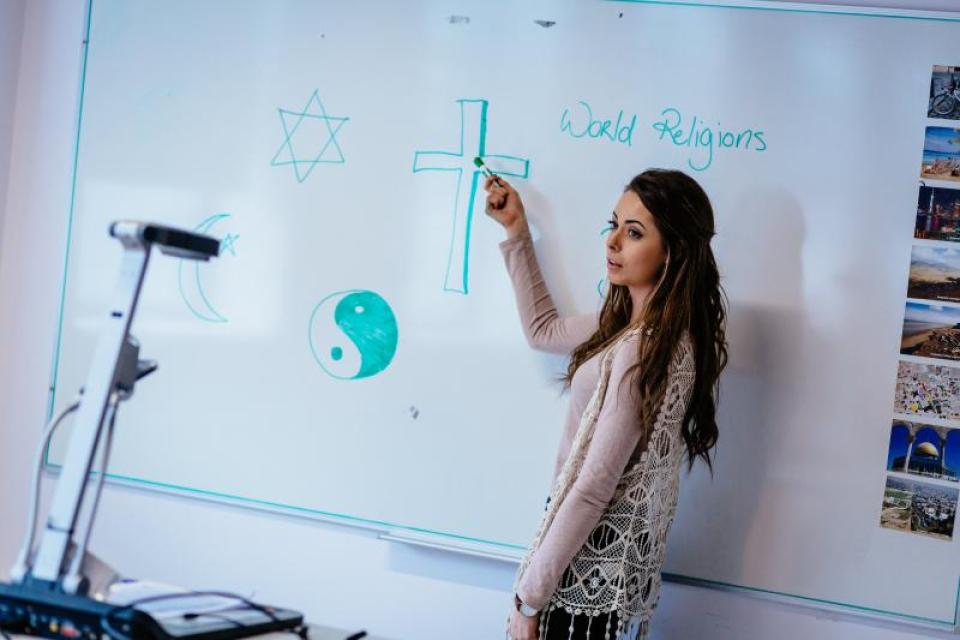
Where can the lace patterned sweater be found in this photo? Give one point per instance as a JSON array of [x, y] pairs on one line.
[[614, 463]]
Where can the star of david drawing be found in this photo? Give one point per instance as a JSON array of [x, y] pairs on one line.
[[309, 138]]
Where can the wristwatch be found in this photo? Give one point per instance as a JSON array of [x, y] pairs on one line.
[[525, 610]]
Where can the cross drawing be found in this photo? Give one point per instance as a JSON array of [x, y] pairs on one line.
[[473, 134]]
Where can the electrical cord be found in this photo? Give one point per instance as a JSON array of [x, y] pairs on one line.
[[21, 567], [191, 615], [106, 620], [302, 631]]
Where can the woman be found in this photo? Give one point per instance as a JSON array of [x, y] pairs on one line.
[[643, 378]]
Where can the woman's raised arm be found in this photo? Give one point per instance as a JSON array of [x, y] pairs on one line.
[[543, 327]]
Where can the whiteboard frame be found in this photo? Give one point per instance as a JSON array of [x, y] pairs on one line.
[[463, 545], [808, 8]]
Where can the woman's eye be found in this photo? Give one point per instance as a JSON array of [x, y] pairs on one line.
[[636, 235]]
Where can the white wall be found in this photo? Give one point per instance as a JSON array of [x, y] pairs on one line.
[[338, 576], [37, 188], [11, 18]]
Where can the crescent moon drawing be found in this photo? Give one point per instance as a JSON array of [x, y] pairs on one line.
[[191, 286]]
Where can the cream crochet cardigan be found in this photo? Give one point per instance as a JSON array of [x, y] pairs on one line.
[[618, 569]]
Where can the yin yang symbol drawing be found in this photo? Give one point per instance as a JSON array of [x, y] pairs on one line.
[[353, 334]]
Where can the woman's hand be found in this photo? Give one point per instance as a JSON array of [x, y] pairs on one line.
[[504, 206], [523, 628]]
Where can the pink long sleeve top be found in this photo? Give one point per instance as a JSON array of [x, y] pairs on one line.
[[617, 441]]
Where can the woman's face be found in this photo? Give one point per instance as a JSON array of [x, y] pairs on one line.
[[635, 252]]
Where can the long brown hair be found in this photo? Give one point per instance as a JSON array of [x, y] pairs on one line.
[[688, 298]]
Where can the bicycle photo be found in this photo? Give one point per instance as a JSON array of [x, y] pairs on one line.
[[945, 93]]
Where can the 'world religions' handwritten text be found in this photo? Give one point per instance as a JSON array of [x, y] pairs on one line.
[[696, 134], [582, 122]]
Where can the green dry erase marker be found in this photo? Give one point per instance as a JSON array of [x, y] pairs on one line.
[[485, 170]]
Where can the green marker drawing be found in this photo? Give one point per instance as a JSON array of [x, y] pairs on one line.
[[297, 127], [353, 334], [189, 272], [604, 283], [473, 136]]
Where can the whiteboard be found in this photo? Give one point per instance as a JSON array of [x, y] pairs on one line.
[[330, 146]]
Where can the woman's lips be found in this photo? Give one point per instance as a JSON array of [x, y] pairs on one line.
[[611, 264]]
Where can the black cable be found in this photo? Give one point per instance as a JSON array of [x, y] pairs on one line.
[[191, 594], [303, 631], [111, 631], [106, 621], [193, 615]]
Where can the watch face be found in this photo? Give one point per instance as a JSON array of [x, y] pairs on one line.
[[523, 608]]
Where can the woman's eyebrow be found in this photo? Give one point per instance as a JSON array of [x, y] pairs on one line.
[[629, 221]]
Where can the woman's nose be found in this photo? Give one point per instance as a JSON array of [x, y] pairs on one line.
[[612, 240]]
